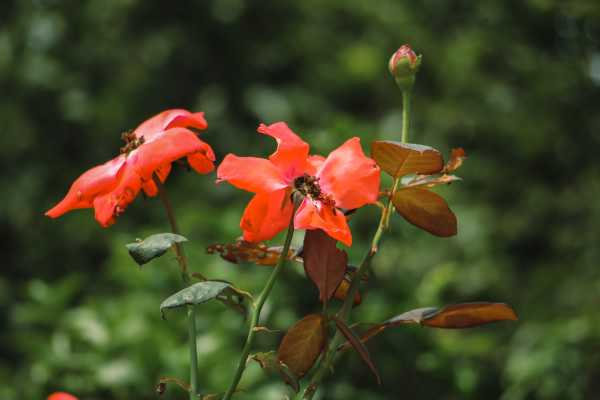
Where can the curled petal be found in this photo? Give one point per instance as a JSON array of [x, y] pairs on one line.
[[253, 174], [292, 152], [349, 176], [177, 118], [202, 161], [109, 206], [266, 215], [174, 144], [315, 215], [150, 187], [96, 181]]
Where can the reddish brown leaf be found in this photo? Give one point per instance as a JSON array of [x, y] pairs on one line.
[[399, 159], [426, 210], [357, 345], [467, 315], [456, 159], [324, 263], [456, 316], [303, 343], [242, 251]]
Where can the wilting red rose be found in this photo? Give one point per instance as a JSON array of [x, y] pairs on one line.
[[346, 179], [150, 149]]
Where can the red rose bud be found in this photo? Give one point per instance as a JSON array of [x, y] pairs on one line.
[[403, 66]]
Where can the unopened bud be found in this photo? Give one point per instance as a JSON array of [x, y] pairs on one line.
[[403, 66]]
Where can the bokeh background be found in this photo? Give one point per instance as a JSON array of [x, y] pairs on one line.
[[516, 83]]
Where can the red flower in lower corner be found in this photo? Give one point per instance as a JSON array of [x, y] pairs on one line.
[[61, 396], [149, 149], [346, 179]]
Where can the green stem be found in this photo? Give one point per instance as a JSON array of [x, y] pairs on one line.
[[257, 308], [406, 97], [330, 356], [191, 315]]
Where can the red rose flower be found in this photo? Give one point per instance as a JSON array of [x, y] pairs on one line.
[[61, 396], [345, 179], [149, 149]]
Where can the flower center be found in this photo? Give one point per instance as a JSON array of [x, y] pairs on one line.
[[131, 142], [309, 187]]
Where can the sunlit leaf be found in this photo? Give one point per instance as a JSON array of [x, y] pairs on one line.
[[426, 210], [429, 181], [153, 246], [303, 343], [456, 159], [324, 263], [456, 316], [196, 294], [271, 364], [242, 251], [399, 159], [358, 345]]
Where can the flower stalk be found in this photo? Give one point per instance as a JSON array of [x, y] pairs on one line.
[[258, 305], [191, 314], [330, 357]]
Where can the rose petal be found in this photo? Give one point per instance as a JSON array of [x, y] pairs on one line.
[[61, 396], [96, 181], [349, 176], [109, 206], [266, 215], [292, 152], [150, 187], [253, 174], [203, 161], [154, 127], [314, 163], [315, 215]]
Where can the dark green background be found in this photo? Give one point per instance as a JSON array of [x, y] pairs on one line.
[[516, 83]]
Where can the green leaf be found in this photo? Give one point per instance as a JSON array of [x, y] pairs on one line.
[[198, 293], [143, 251]]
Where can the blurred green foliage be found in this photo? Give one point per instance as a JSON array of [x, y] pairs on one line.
[[516, 83]]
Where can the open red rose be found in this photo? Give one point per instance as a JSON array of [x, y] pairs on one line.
[[345, 179], [61, 396], [149, 149]]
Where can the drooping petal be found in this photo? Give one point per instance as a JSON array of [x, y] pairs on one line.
[[253, 174], [174, 144], [292, 152], [202, 161], [150, 187], [349, 176], [96, 181], [266, 215], [175, 118], [110, 205], [316, 215]]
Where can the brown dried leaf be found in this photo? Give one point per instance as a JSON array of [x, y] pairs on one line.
[[399, 159], [467, 315], [426, 210], [324, 263], [303, 343], [357, 345], [242, 251], [457, 156], [430, 181], [456, 316]]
